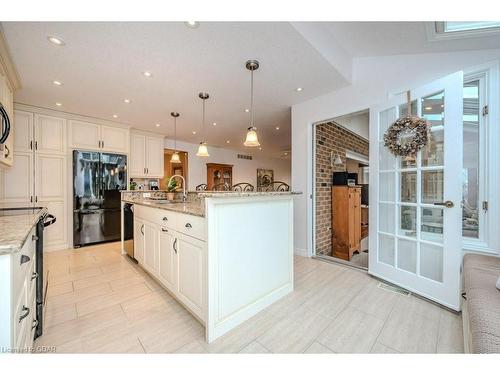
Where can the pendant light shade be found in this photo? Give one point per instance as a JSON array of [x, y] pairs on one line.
[[251, 139], [202, 148], [175, 156]]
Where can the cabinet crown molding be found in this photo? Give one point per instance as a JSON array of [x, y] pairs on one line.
[[7, 64]]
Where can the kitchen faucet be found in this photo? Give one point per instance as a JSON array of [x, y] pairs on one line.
[[184, 195]]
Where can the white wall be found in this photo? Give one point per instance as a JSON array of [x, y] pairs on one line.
[[374, 80], [243, 170]]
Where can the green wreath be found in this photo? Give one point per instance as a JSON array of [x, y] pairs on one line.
[[405, 125]]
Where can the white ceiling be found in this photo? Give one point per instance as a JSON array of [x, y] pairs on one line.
[[102, 63], [366, 39]]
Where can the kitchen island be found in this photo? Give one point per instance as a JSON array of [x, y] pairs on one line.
[[224, 255]]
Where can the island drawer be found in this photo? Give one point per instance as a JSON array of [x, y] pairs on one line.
[[155, 215], [191, 225]]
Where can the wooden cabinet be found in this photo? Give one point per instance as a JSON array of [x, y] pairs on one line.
[[346, 221], [219, 175], [146, 156], [90, 136]]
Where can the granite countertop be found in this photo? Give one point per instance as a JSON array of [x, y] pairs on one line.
[[196, 208], [15, 229], [241, 194]]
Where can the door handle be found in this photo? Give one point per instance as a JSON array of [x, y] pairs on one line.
[[26, 311], [142, 229], [447, 204], [25, 259], [188, 225], [164, 230], [34, 324], [173, 245], [165, 218], [34, 275]]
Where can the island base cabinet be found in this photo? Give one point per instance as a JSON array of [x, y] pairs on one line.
[[150, 247], [139, 240], [168, 260], [191, 273]]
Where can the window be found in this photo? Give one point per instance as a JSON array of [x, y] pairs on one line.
[[450, 27], [456, 30]]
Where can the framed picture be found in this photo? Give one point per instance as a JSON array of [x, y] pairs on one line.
[[265, 179]]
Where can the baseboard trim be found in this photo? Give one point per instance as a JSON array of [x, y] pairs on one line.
[[301, 252]]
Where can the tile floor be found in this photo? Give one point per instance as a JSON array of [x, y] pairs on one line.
[[100, 302]]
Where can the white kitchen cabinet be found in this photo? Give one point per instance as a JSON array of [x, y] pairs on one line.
[[18, 291], [23, 141], [50, 177], [84, 135], [50, 135], [55, 236], [139, 240], [18, 185], [90, 136], [146, 156], [151, 239], [190, 270], [137, 163], [114, 139], [154, 157], [167, 260]]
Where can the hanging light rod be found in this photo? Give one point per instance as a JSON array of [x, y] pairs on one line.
[[175, 156], [202, 148], [251, 138]]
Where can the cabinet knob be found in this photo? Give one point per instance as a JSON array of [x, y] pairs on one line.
[[188, 225], [164, 230], [165, 218], [34, 324], [34, 276]]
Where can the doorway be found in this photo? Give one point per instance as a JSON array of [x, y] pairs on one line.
[[341, 173], [171, 169]]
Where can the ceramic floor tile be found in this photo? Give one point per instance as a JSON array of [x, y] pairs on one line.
[[450, 337], [295, 333], [254, 348], [379, 348], [79, 295], [105, 277], [88, 272], [374, 300], [353, 331], [63, 288], [59, 314], [193, 347], [317, 348]]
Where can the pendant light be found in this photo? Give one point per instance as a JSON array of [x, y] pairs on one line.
[[251, 139], [202, 148], [175, 156]]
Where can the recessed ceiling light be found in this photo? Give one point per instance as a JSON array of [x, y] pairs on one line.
[[194, 132], [58, 104], [247, 110], [260, 148], [214, 124], [442, 105], [126, 101], [57, 83], [428, 108], [277, 128], [147, 74], [192, 24], [157, 125], [228, 141], [115, 116], [299, 89], [55, 40]]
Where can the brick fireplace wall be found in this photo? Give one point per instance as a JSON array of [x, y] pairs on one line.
[[331, 137]]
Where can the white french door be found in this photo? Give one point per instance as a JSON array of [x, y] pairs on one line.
[[415, 217]]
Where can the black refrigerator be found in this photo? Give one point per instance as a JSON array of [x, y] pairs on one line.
[[98, 178]]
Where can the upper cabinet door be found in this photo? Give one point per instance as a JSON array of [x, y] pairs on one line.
[[18, 180], [137, 163], [114, 139], [50, 134], [84, 135], [23, 122], [154, 157], [50, 176]]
